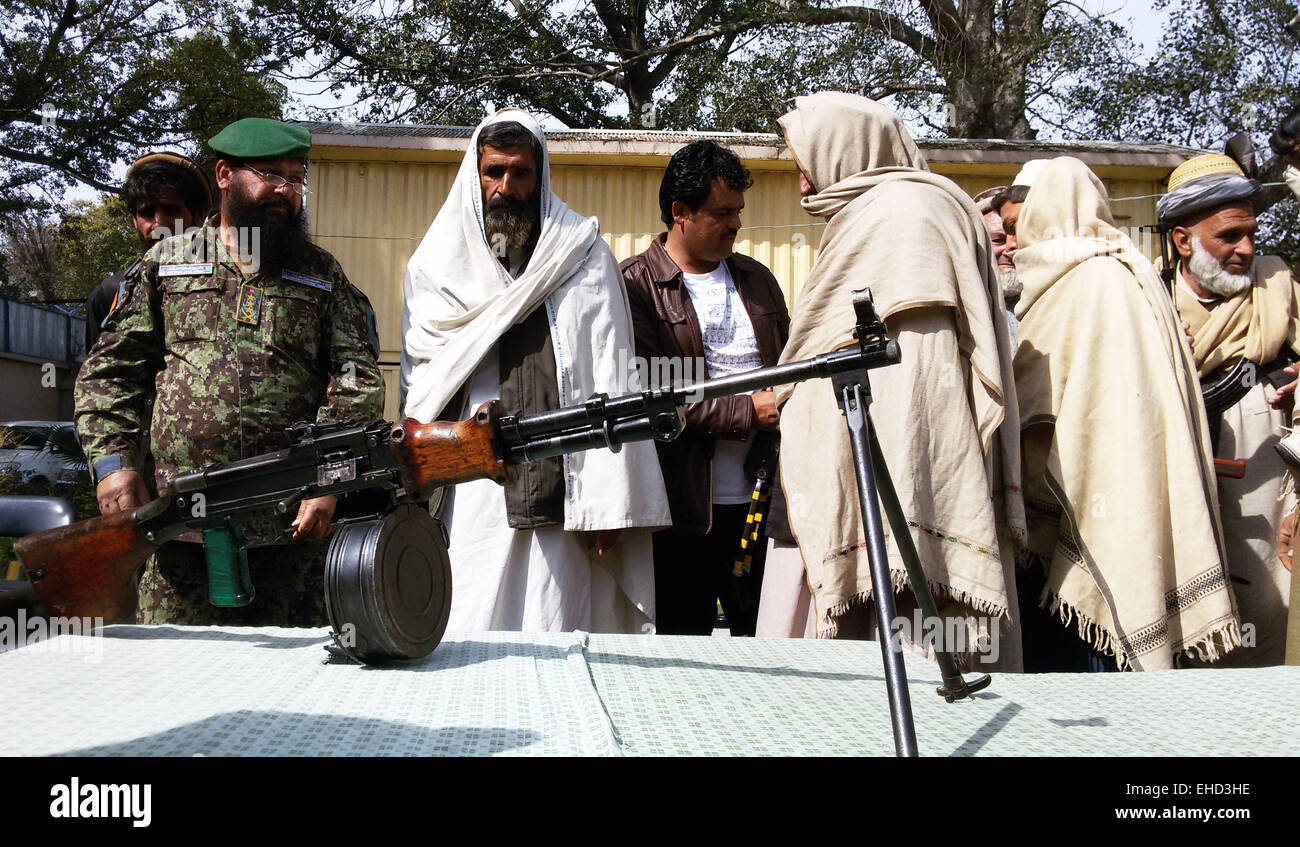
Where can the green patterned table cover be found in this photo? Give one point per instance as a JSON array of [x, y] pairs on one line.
[[187, 691]]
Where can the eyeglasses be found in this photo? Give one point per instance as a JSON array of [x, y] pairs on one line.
[[278, 181]]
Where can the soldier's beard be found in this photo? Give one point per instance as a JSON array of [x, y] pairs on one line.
[[282, 241], [1011, 286], [1211, 276], [511, 225]]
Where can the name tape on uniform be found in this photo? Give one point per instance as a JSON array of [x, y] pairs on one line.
[[294, 276], [195, 269]]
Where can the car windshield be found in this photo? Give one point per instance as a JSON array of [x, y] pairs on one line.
[[29, 437]]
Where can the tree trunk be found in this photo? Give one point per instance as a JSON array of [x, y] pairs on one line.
[[641, 112], [985, 70]]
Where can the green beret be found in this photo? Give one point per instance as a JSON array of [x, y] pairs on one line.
[[262, 138]]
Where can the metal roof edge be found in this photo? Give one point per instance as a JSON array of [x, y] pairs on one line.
[[749, 145]]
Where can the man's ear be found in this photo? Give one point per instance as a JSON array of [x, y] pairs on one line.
[[1182, 237], [224, 173], [681, 212]]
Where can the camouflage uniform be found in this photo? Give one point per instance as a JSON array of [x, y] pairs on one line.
[[214, 365]]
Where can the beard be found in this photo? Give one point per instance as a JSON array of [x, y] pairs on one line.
[[1211, 276], [511, 225], [1011, 286], [282, 241]]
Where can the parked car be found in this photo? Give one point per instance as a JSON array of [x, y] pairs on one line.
[[41, 453]]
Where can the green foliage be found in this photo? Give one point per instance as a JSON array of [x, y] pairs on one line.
[[1224, 66], [80, 492], [7, 440], [1279, 231], [751, 88], [216, 86], [94, 240], [64, 259], [83, 86], [79, 87], [28, 243], [964, 67]]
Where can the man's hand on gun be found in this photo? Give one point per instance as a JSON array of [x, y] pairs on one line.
[[1285, 396], [121, 491], [766, 415], [314, 516]]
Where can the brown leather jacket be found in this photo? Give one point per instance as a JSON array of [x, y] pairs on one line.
[[665, 324]]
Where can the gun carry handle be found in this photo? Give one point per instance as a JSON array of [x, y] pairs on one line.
[[444, 453], [89, 568]]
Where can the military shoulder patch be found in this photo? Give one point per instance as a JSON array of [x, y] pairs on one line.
[[303, 279], [250, 304], [192, 269]]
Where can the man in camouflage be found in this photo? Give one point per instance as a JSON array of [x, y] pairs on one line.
[[224, 336], [165, 193]]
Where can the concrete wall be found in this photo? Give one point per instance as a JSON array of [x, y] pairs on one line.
[[27, 394]]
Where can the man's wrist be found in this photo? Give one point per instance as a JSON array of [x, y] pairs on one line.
[[110, 464]]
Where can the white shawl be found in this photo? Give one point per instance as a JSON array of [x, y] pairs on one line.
[[460, 300]]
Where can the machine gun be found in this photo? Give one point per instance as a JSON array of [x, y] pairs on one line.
[[387, 574], [388, 548]]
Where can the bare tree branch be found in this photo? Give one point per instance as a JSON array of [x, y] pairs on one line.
[[55, 164]]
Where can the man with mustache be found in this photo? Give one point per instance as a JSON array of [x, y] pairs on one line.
[[694, 299], [224, 336], [1003, 250], [1241, 306], [512, 295], [165, 194]]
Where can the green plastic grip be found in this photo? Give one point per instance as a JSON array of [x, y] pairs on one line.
[[228, 581]]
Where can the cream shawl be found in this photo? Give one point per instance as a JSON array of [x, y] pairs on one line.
[[460, 300], [1253, 325], [946, 416], [1120, 487]]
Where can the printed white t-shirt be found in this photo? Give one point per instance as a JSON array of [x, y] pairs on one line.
[[729, 347]]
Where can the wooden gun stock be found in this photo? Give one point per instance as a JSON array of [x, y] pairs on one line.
[[89, 568], [444, 453]]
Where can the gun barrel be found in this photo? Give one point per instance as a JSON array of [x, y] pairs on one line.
[[825, 365], [631, 417], [584, 438]]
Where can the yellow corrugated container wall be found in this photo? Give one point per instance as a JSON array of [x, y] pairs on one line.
[[371, 206]]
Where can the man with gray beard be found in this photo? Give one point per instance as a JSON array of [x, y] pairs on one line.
[[513, 295], [1003, 251], [1243, 312]]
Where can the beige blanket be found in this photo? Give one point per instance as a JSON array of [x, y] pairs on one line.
[[1118, 473], [946, 416]]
